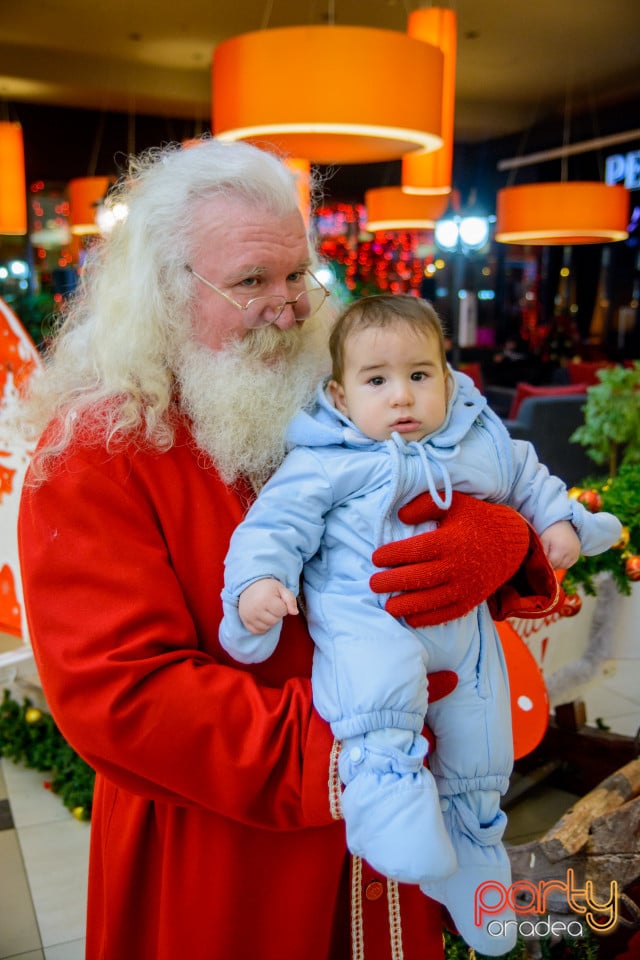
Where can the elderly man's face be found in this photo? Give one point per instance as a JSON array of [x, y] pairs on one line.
[[246, 252]]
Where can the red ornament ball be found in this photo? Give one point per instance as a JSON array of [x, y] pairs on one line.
[[591, 500], [571, 605]]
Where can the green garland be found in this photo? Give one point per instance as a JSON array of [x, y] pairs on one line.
[[570, 949], [29, 735], [619, 495]]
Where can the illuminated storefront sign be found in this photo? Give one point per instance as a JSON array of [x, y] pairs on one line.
[[623, 168]]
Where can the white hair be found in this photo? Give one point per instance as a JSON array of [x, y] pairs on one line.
[[110, 368]]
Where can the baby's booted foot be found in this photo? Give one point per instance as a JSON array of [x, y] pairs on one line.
[[395, 824]]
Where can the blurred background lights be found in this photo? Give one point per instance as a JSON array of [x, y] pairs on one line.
[[18, 268], [108, 215], [474, 232], [447, 234]]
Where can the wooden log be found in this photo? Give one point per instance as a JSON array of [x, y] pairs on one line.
[[607, 849], [571, 833], [617, 832], [602, 870], [529, 863]]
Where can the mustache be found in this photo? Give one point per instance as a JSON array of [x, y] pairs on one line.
[[264, 344], [240, 403]]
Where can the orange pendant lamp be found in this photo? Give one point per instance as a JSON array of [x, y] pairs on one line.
[[13, 192], [390, 208], [365, 105], [301, 170], [432, 172], [85, 194], [566, 213]]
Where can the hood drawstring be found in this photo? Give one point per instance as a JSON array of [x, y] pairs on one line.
[[444, 501]]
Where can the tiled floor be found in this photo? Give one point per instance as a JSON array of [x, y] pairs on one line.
[[43, 865]]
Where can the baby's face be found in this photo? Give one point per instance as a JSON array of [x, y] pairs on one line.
[[393, 382]]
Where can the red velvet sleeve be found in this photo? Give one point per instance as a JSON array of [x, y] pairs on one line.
[[121, 565]]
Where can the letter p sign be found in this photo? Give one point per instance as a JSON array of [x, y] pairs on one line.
[[490, 898]]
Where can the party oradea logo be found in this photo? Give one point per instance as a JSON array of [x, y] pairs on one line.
[[531, 901]]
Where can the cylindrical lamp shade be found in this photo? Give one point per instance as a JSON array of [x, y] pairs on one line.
[[389, 208], [378, 97], [85, 194], [13, 192], [562, 213], [432, 172]]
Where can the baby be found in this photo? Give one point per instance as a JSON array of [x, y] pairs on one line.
[[393, 421]]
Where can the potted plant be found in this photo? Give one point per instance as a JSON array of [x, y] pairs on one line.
[[611, 429]]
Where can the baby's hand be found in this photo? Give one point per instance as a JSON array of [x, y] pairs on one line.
[[263, 603], [561, 544]]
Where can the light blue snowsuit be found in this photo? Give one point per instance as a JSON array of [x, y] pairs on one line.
[[331, 503]]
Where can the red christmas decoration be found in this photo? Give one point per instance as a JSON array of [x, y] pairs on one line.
[[571, 606], [9, 606], [372, 263], [632, 567], [528, 691], [591, 500]]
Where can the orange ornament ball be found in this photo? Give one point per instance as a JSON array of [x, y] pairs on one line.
[[632, 567], [623, 541]]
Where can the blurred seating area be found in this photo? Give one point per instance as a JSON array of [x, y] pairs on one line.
[[546, 409]]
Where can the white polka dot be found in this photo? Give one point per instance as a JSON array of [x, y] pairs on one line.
[[525, 703]]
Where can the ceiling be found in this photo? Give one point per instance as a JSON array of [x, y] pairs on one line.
[[517, 63]]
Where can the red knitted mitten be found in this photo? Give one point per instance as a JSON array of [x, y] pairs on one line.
[[442, 575]]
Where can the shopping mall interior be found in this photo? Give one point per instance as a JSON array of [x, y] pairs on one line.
[[410, 118], [550, 95]]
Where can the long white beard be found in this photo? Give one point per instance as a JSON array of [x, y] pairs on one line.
[[241, 398]]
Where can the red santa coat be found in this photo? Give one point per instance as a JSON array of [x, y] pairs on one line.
[[212, 836]]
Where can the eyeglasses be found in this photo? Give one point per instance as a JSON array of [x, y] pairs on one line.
[[269, 309]]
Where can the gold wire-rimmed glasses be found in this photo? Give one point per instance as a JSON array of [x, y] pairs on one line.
[[305, 305]]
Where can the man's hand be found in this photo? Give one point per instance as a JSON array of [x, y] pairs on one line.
[[263, 603], [443, 574]]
